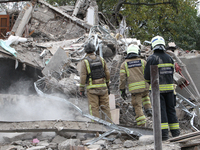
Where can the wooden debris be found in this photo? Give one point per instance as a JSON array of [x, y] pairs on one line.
[[185, 136]]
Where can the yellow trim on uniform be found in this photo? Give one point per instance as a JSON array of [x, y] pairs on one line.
[[126, 67], [174, 126], [122, 71], [141, 122], [147, 102], [81, 85], [147, 80], [143, 66], [165, 87], [136, 85], [140, 118], [90, 109], [164, 126], [166, 65], [89, 71], [96, 86], [144, 98]]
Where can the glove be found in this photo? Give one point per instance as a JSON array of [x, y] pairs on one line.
[[82, 93], [123, 94], [108, 90]]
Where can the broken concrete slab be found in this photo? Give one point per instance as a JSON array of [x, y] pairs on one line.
[[58, 139], [56, 63], [66, 145], [22, 20], [19, 136]]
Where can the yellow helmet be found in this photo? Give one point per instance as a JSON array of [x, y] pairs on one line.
[[133, 49], [157, 40]]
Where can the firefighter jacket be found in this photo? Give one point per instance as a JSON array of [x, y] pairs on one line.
[[165, 67], [94, 86], [132, 71]]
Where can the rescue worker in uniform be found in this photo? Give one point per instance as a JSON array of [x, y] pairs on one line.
[[166, 69], [95, 73], [132, 71]]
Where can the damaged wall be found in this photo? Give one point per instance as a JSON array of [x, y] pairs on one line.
[[45, 21]]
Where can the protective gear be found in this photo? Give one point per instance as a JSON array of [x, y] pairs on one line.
[[82, 93], [157, 42], [123, 94], [96, 68], [89, 47], [131, 71], [166, 69], [97, 91], [133, 49]]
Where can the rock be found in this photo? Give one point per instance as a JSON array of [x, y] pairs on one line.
[[116, 146], [81, 136], [65, 145], [58, 139], [67, 135], [129, 143], [43, 143], [146, 140], [117, 141], [94, 147], [53, 145], [10, 147], [19, 136]]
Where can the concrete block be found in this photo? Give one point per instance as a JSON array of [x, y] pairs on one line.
[[129, 143], [58, 139], [57, 62], [94, 147], [66, 145], [112, 101], [146, 140], [115, 115]]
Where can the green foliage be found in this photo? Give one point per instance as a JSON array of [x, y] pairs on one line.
[[178, 22]]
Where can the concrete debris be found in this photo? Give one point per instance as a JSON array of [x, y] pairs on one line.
[[45, 45]]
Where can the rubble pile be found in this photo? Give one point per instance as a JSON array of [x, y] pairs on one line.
[[51, 40]]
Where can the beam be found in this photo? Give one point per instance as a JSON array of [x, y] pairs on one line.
[[52, 126], [62, 125]]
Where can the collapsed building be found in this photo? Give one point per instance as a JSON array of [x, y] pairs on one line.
[[41, 53]]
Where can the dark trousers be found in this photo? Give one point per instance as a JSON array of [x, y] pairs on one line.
[[168, 115]]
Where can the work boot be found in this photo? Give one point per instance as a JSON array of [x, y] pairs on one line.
[[165, 138], [149, 112], [175, 132]]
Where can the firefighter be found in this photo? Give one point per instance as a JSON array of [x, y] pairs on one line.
[[95, 73], [166, 69], [132, 71]]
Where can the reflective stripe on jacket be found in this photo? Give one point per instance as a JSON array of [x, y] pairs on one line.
[[132, 70], [165, 67]]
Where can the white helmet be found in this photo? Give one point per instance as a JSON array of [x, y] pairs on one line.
[[133, 49], [157, 40]]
